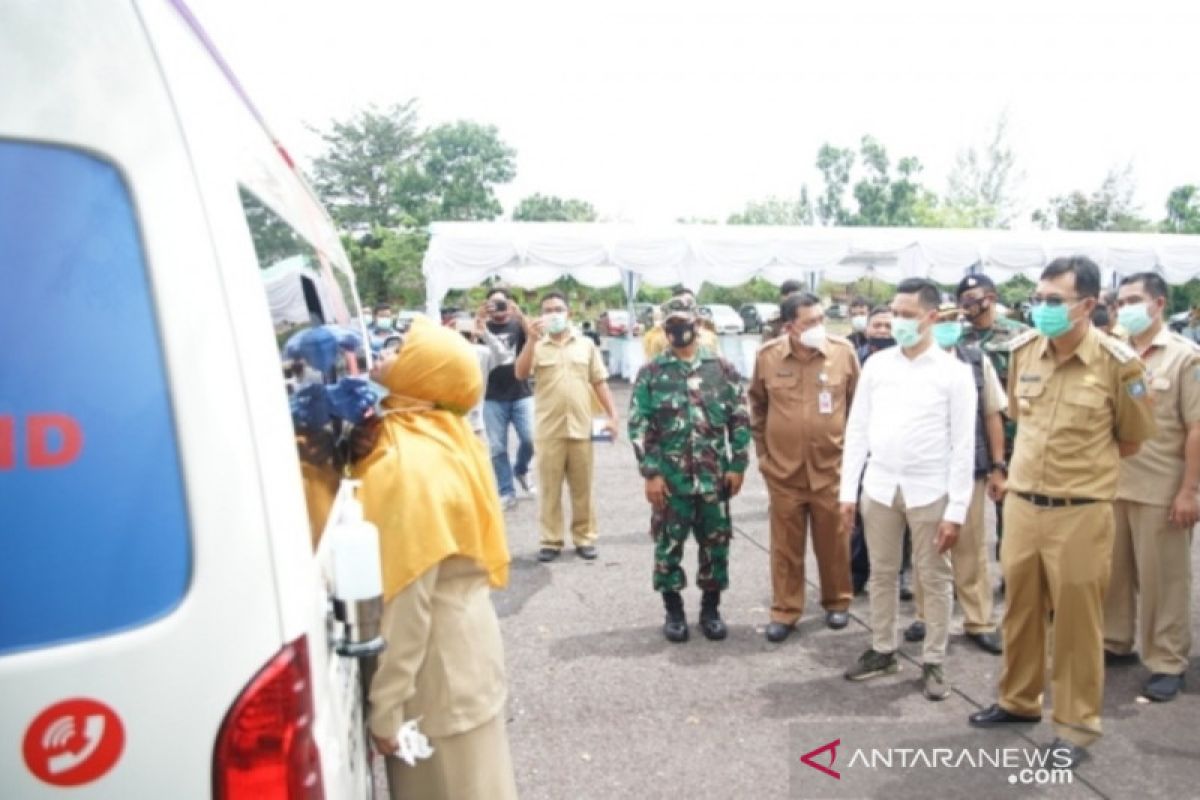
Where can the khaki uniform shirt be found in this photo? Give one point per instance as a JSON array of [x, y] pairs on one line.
[[1173, 376], [1070, 416], [798, 433], [563, 374]]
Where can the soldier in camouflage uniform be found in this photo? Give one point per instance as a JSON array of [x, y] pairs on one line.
[[690, 429], [991, 333]]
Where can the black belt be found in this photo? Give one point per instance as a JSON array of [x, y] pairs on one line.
[[1054, 502]]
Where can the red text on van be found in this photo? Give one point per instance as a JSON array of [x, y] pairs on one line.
[[52, 440]]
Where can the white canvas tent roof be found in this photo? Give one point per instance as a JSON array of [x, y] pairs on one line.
[[462, 255], [284, 281]]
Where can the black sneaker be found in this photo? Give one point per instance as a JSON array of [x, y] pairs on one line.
[[587, 552], [915, 632], [547, 554], [873, 664], [1112, 659], [1162, 688]]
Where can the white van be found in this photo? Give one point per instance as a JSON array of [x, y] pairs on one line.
[[164, 623]]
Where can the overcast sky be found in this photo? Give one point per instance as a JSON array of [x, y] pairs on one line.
[[657, 109]]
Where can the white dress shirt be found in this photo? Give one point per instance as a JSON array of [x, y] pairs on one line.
[[913, 425]]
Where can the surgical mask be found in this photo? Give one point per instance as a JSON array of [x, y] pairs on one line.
[[907, 332], [947, 334], [680, 335], [1134, 318], [556, 323], [859, 323], [814, 337], [383, 323], [1052, 321]]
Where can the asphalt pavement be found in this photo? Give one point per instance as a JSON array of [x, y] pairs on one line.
[[601, 706]]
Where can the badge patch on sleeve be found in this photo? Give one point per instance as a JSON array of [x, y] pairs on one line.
[[1136, 389]]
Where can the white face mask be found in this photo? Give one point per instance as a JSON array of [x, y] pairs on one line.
[[814, 337], [859, 323]]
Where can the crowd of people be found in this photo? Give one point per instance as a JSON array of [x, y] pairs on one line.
[[883, 448]]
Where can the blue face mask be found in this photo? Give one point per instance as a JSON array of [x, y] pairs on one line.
[[947, 334], [1052, 321], [1134, 318], [906, 332], [383, 323]]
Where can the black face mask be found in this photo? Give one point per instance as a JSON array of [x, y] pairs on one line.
[[680, 334], [880, 342]]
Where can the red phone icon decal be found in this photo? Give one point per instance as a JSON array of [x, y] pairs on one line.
[[73, 742]]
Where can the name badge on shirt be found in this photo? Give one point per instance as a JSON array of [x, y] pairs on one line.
[[825, 402]]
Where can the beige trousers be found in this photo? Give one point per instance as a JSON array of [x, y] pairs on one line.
[[969, 561], [791, 512], [569, 461], [476, 763], [1056, 559], [1152, 561], [885, 541]]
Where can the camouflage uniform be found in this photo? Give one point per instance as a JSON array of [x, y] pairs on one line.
[[682, 415]]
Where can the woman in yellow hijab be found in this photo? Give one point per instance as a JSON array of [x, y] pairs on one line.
[[427, 485]]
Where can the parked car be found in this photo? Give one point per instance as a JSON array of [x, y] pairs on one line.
[[724, 318], [1178, 321], [405, 317], [756, 315], [645, 314], [613, 322], [178, 637]]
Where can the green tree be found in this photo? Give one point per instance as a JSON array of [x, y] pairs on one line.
[[982, 184], [1183, 210], [882, 200], [835, 165], [548, 208], [461, 164], [369, 170], [387, 265], [776, 211], [1109, 208]]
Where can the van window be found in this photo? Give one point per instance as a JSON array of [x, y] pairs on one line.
[[95, 527], [311, 308]]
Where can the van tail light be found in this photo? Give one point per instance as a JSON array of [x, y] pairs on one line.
[[265, 747]]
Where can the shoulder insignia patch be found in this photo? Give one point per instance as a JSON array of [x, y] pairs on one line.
[[1119, 350], [1018, 341], [1136, 389]]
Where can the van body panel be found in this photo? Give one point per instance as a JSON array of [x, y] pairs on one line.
[[127, 83]]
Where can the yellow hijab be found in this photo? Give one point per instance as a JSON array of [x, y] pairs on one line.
[[428, 483]]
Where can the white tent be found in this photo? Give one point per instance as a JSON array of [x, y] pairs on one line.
[[286, 282], [532, 254]]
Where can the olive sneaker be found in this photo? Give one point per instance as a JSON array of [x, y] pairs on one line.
[[873, 664]]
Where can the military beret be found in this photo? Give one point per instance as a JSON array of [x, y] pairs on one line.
[[974, 282]]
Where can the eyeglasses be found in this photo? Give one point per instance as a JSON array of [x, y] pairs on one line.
[[1053, 301]]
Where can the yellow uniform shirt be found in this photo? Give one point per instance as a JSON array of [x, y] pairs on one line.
[[1070, 416], [1173, 377], [563, 373]]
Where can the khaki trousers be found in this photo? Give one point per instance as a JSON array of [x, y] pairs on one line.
[[568, 460], [1056, 559], [1152, 560], [885, 541], [791, 510], [969, 562], [476, 763]]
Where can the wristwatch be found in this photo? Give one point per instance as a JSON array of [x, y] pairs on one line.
[[1000, 465]]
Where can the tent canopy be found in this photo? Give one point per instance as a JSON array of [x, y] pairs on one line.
[[462, 255]]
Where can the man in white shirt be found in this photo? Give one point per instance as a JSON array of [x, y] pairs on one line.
[[914, 404]]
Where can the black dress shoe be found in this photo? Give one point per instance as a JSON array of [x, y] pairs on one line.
[[989, 642], [996, 716], [777, 631], [547, 554], [1112, 659], [1162, 688], [1061, 754], [587, 551], [837, 619], [915, 632]]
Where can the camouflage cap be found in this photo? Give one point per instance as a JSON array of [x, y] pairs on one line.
[[979, 281], [681, 305]]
